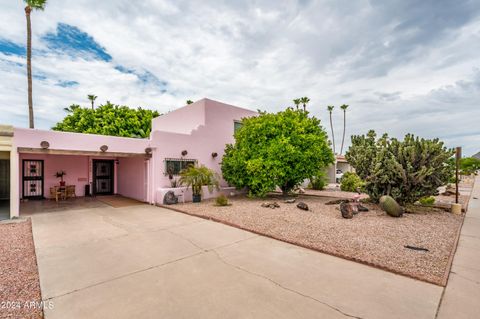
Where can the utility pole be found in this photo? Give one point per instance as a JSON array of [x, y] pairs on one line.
[[458, 157]]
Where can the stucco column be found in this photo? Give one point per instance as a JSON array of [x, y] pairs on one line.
[[14, 184]]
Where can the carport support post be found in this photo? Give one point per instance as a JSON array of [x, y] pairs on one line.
[[14, 184]]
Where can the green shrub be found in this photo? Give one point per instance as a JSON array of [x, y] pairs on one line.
[[350, 182], [221, 200], [276, 150], [319, 181], [427, 201]]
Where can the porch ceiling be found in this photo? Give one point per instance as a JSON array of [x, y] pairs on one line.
[[28, 150]]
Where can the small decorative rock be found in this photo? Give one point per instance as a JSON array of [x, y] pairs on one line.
[[302, 205], [290, 201], [347, 210], [301, 190], [271, 205]]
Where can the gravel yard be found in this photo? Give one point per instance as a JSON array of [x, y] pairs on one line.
[[19, 283], [373, 237]]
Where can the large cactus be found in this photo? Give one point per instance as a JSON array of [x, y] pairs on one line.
[[406, 170], [390, 206]]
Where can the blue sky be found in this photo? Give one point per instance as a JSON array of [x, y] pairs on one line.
[[402, 65]]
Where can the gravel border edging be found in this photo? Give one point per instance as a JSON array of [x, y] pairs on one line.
[[370, 264]]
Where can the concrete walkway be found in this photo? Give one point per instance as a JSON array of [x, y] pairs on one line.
[[461, 298], [148, 262]]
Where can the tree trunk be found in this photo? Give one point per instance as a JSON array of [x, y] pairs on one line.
[[344, 125], [92, 105], [28, 10], [333, 136]]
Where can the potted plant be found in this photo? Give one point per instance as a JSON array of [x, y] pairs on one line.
[[60, 175], [196, 177]]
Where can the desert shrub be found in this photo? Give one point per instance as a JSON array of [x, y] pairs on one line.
[[427, 201], [406, 170], [469, 165], [221, 200], [350, 182], [276, 149], [319, 181]]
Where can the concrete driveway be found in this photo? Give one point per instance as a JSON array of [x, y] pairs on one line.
[[149, 262]]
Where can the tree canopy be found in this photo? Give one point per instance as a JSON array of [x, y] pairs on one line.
[[276, 149], [406, 170], [108, 119]]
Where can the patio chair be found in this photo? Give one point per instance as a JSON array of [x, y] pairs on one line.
[[56, 193], [71, 191]]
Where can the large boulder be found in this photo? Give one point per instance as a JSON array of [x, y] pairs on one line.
[[347, 210], [391, 207]]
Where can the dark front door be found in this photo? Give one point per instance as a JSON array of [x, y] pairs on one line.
[[32, 179], [102, 177], [4, 179]]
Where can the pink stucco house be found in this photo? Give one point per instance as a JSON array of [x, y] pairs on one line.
[[137, 168]]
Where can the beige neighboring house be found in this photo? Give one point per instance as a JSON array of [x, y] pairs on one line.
[[336, 171], [8, 168], [477, 156]]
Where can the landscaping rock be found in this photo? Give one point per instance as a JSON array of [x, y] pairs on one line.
[[336, 201], [362, 208], [290, 201], [271, 205], [391, 207], [347, 210], [170, 198], [301, 190], [302, 206]]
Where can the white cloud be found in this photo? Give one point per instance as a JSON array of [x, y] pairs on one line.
[[401, 67]]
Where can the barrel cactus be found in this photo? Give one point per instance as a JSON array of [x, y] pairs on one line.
[[390, 206]]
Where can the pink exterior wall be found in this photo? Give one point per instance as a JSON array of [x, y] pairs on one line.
[[132, 179], [76, 141], [182, 120], [210, 137]]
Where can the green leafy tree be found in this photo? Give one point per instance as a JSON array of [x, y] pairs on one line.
[[189, 102], [276, 149], [31, 5], [469, 165], [108, 119], [406, 170], [344, 108]]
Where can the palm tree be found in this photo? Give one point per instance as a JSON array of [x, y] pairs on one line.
[[189, 102], [31, 5], [92, 99], [304, 100], [344, 108], [330, 110], [297, 102]]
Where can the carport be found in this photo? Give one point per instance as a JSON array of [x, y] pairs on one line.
[[79, 166]]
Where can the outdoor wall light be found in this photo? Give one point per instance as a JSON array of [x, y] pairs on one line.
[[214, 154], [44, 145], [148, 150], [104, 148], [184, 152]]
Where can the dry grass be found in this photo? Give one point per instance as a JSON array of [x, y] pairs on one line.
[[370, 237], [19, 282]]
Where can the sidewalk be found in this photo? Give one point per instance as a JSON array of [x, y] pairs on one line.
[[461, 298]]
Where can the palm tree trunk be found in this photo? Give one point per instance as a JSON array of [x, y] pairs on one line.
[[344, 125], [29, 66], [92, 105], [333, 136]]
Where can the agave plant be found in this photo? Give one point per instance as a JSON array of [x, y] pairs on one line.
[[196, 177]]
